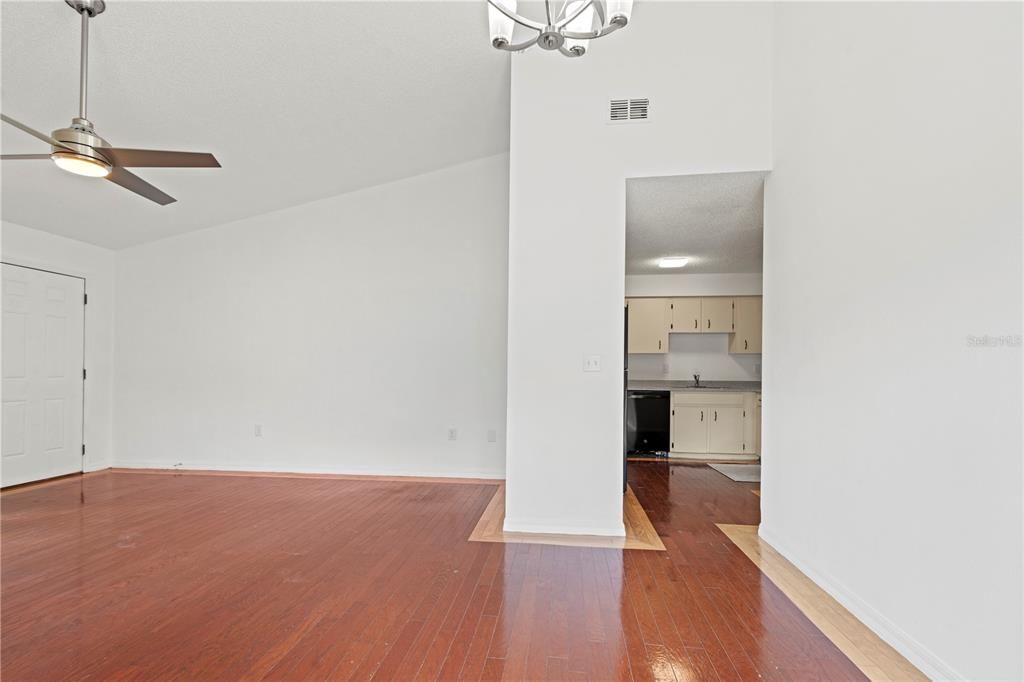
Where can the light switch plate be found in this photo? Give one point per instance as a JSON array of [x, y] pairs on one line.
[[592, 363]]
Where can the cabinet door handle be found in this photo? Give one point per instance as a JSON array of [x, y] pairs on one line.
[[716, 415], [744, 344], [702, 415], [659, 344], [709, 323], [695, 324]]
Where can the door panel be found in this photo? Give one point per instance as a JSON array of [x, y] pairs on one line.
[[689, 429], [42, 393], [725, 430], [716, 315], [648, 325], [685, 315]]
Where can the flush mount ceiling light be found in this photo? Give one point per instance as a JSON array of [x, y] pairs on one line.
[[673, 262], [568, 30], [79, 150]]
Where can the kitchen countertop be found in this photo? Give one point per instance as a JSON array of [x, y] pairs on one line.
[[674, 385]]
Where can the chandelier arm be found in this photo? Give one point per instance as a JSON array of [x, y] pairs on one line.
[[561, 10], [522, 21], [519, 47], [566, 20], [568, 53], [547, 10], [610, 28]]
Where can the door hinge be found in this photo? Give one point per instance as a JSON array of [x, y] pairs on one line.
[[83, 374], [85, 299], [83, 448]]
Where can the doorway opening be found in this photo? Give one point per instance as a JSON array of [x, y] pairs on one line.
[[693, 352]]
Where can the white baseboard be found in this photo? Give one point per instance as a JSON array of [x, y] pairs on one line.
[[514, 526], [915, 652], [272, 469]]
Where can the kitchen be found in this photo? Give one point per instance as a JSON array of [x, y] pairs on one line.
[[693, 317]]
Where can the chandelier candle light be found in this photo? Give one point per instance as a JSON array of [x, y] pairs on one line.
[[569, 30]]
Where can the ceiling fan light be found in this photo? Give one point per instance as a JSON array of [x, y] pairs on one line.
[[584, 23], [501, 26], [80, 164]]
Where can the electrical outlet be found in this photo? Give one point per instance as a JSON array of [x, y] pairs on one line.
[[452, 433], [492, 436], [592, 363], [258, 430]]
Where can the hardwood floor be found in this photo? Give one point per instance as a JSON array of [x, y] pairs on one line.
[[640, 534], [875, 658], [132, 576]]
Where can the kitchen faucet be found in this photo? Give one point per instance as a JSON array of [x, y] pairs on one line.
[[696, 381]]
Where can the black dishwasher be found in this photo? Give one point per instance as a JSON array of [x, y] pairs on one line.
[[647, 422]]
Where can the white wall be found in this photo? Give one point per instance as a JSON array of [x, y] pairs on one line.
[[24, 246], [717, 284], [356, 330], [892, 445], [706, 68]]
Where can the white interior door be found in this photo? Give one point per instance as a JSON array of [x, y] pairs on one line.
[[43, 343]]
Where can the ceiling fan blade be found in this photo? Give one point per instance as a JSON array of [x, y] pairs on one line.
[[22, 157], [31, 131], [158, 158], [132, 182]]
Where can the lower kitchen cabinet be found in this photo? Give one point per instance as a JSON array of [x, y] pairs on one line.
[[709, 423], [725, 430], [689, 429]]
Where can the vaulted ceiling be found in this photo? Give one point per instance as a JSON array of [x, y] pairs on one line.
[[298, 101]]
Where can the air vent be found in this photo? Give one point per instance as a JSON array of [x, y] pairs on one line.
[[619, 110], [626, 110]]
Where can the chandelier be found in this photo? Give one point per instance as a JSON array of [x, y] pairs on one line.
[[569, 30]]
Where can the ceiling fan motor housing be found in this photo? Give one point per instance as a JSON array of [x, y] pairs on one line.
[[81, 140]]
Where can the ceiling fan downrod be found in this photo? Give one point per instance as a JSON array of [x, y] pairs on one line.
[[87, 9]]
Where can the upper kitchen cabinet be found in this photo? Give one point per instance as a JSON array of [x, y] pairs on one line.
[[746, 337], [648, 325], [684, 315], [716, 315]]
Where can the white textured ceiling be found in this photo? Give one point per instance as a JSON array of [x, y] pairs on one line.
[[298, 101], [715, 220]]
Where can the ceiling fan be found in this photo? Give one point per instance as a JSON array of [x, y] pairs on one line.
[[78, 149]]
